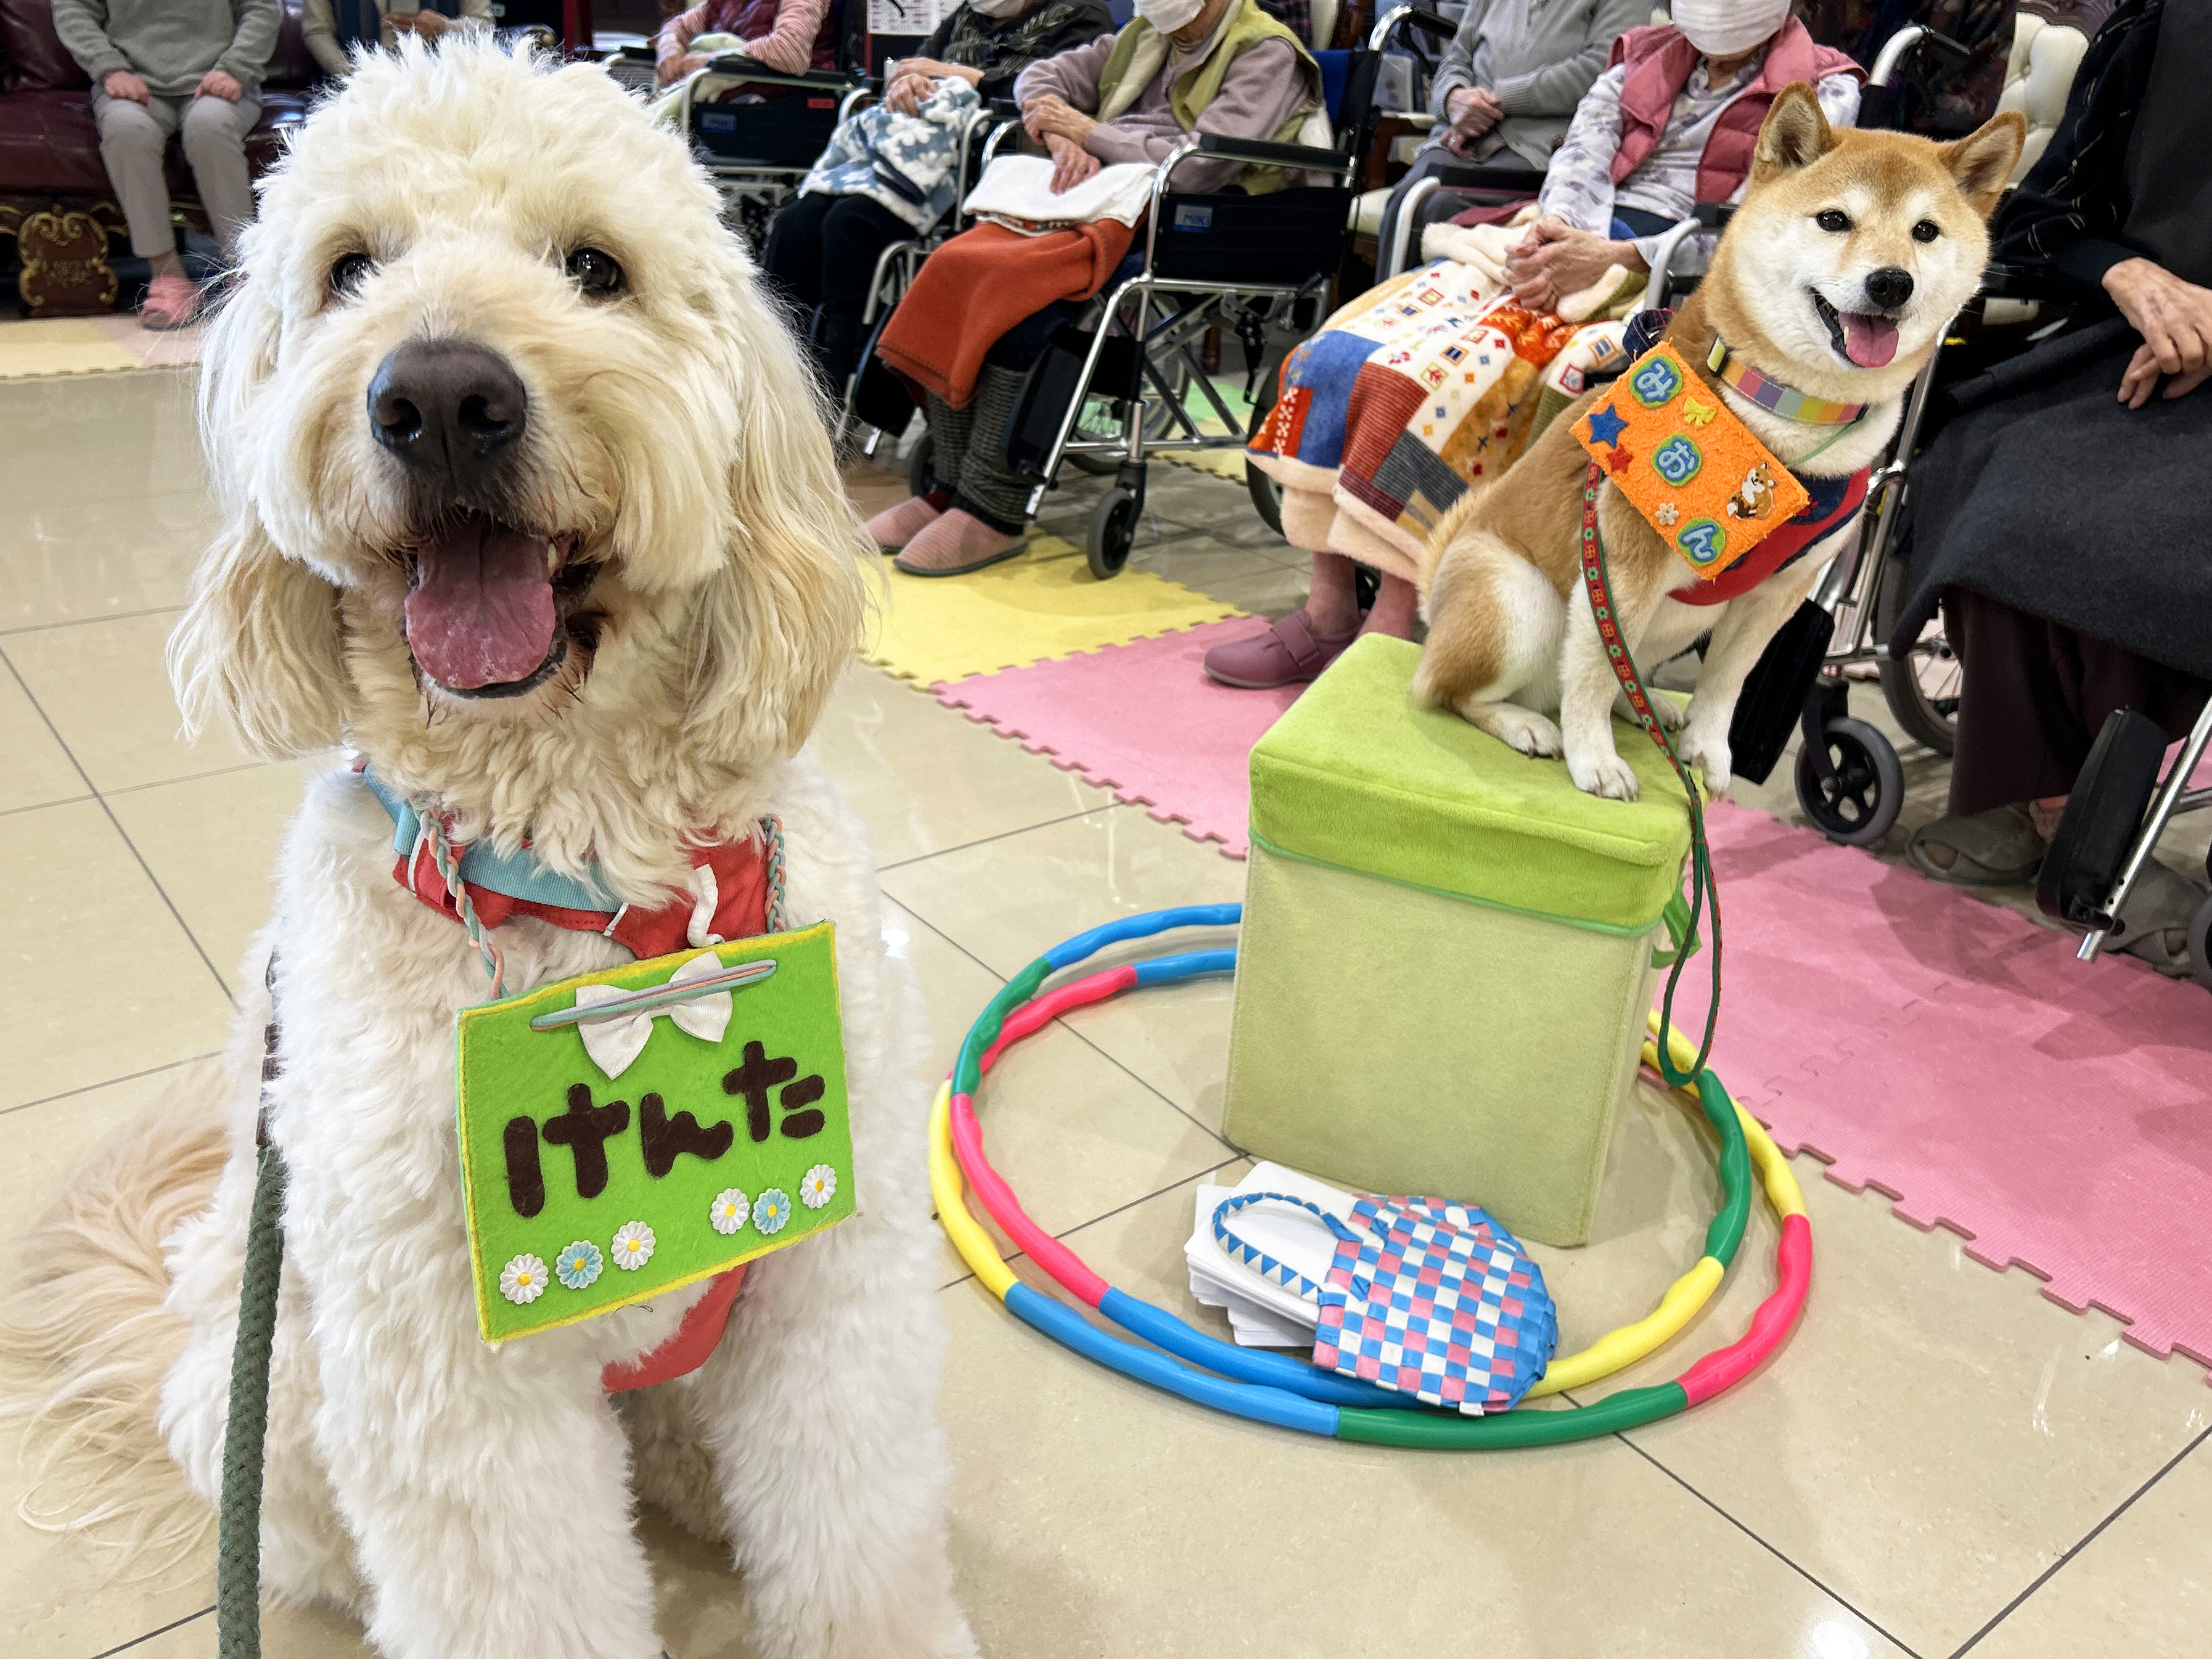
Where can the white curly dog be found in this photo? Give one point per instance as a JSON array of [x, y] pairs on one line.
[[528, 500]]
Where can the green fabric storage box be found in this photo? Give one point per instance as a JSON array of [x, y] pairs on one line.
[[1447, 953]]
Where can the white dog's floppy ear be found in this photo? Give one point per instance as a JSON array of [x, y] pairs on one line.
[[775, 625], [1983, 160], [261, 645], [1796, 133]]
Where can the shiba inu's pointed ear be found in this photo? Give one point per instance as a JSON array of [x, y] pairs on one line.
[[1982, 160], [1796, 133]]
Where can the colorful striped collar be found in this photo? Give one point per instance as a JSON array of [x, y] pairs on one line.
[[1787, 401]]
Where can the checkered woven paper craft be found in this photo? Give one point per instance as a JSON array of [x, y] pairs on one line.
[[1451, 1311]]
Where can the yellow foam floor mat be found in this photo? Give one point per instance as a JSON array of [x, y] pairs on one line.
[[1044, 603], [90, 345]]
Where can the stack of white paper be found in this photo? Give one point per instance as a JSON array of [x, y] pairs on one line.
[[1261, 1313]]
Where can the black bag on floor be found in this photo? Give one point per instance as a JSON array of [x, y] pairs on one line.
[[1772, 705]]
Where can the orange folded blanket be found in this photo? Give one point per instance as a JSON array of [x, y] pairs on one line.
[[982, 282]]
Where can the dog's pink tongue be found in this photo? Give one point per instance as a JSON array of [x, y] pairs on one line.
[[483, 611], [1869, 341]]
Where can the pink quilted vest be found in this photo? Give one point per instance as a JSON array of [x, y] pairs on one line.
[[1660, 58]]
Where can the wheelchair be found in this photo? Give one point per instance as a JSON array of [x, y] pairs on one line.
[[1121, 380], [756, 131]]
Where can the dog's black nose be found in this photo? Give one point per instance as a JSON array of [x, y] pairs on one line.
[[448, 407], [1888, 287]]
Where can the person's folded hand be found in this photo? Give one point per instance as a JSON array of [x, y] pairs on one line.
[[1071, 163], [672, 70], [1043, 116], [1473, 111], [216, 83], [2175, 320], [908, 89], [124, 86]]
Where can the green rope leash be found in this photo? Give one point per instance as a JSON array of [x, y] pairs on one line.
[[238, 1558]]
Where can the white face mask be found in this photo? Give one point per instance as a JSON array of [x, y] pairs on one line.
[[1169, 16], [997, 8], [1727, 28]]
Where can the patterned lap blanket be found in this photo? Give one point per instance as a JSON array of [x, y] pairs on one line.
[[1404, 398]]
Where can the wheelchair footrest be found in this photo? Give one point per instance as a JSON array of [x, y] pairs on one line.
[[2103, 815], [1055, 382]]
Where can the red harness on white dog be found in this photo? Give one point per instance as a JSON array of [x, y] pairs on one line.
[[730, 901]]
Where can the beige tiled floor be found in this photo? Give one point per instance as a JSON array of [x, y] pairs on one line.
[[1941, 1461]]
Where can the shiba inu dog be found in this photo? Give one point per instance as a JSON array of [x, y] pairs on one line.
[[1830, 287]]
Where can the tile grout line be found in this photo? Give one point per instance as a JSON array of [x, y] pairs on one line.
[[1210, 1134], [87, 622], [984, 841], [107, 812], [1020, 1255], [1846, 1606], [2087, 1539], [128, 1077], [136, 1641]]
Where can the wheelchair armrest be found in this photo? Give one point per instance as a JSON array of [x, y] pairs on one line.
[[749, 68], [1413, 17], [1713, 215], [1472, 176], [1914, 37], [1261, 152], [2010, 283]]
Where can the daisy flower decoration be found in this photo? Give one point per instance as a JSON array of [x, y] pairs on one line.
[[523, 1280], [771, 1210], [579, 1265], [728, 1212], [633, 1243], [817, 1186]]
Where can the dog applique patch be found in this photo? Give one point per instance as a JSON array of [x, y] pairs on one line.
[[1696, 473], [628, 1133]]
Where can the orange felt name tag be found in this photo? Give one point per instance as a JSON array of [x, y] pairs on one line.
[[1696, 473]]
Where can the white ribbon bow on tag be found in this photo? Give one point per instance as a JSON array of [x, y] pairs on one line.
[[614, 1043]]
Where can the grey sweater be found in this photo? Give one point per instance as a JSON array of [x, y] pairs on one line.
[[170, 44], [1538, 58]]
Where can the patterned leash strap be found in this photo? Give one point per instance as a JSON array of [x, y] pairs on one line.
[[1704, 891], [245, 1430]]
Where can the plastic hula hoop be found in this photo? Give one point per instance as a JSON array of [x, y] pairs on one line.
[[1269, 1387]]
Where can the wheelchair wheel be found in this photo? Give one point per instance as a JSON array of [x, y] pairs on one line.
[[1922, 689], [917, 465], [2103, 815], [2200, 946], [1865, 791], [1114, 530]]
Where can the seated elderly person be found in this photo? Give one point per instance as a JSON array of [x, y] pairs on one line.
[[1516, 71], [987, 303], [823, 246], [2059, 515], [788, 36], [1672, 123], [166, 69], [332, 29]]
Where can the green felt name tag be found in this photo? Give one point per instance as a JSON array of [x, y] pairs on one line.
[[607, 1163]]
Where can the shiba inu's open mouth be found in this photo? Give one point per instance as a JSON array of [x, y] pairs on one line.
[[489, 606], [1864, 337]]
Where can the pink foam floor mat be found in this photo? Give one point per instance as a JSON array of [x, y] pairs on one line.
[[1957, 1057], [1143, 720]]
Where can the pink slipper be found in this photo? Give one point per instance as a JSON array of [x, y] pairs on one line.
[[172, 302], [1288, 654], [955, 544], [895, 526]]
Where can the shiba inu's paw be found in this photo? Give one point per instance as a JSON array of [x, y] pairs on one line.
[[1602, 773], [1708, 750], [1670, 712], [1516, 727]]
